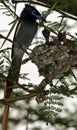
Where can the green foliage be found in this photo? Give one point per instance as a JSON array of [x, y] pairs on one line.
[[68, 6], [6, 9], [9, 10], [52, 106]]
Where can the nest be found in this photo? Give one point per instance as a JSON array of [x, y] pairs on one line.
[[55, 60]]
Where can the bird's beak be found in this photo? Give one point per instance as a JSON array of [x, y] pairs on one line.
[[42, 19]]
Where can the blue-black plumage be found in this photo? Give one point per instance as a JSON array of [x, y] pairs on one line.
[[26, 30], [24, 34]]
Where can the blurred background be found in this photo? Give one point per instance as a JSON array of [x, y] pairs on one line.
[[57, 110]]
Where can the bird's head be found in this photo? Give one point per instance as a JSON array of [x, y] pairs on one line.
[[29, 13]]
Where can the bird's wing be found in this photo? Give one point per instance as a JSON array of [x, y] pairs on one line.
[[23, 37], [26, 33]]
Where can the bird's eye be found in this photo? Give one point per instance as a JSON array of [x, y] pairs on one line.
[[34, 12]]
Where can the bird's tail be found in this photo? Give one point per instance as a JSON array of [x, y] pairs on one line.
[[11, 80]]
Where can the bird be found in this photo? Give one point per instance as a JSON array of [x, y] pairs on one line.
[[23, 36]]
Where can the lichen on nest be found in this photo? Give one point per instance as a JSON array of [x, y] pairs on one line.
[[54, 60]]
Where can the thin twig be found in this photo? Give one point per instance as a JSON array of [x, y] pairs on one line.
[[32, 2], [1, 36]]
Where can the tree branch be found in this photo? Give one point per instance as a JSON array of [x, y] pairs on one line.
[[13, 99]]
